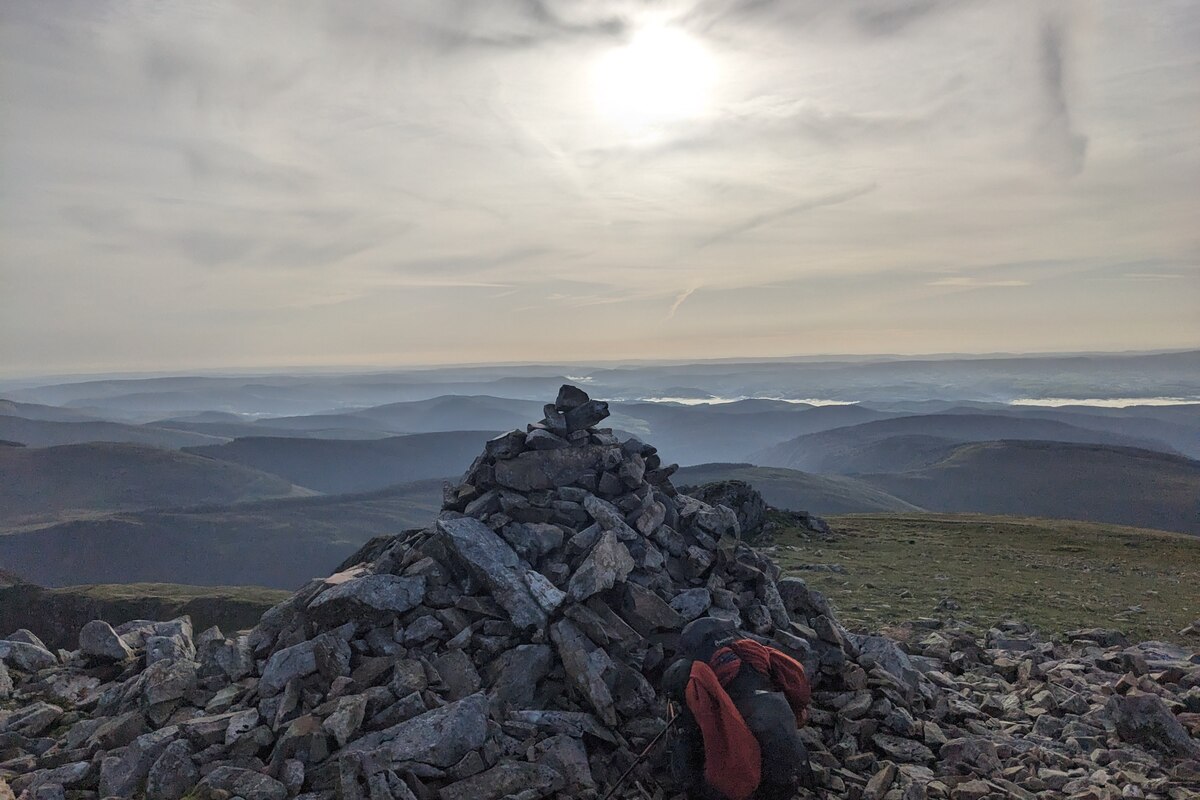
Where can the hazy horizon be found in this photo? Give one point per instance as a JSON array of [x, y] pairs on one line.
[[12, 377], [189, 186]]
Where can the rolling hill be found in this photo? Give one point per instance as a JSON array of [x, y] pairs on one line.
[[729, 432], [799, 491], [39, 485], [276, 543], [865, 448], [50, 432], [337, 465], [1100, 483]]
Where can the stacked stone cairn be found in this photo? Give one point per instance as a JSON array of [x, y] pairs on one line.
[[513, 650]]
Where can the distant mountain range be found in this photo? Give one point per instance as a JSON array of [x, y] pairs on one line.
[[39, 485], [200, 479], [335, 465], [277, 543], [911, 442]]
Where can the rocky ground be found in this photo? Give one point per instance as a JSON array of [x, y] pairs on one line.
[[513, 650]]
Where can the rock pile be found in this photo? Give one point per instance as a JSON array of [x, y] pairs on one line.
[[513, 650]]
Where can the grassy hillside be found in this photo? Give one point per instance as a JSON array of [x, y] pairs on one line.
[[1177, 426], [49, 433], [1057, 575], [799, 491], [336, 465], [1119, 485], [874, 446], [39, 485], [56, 615], [277, 543]]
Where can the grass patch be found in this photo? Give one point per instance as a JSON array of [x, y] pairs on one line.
[[1055, 574]]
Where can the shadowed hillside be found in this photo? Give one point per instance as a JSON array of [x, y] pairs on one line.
[[52, 483], [277, 543], [799, 491], [1119, 485], [865, 448], [336, 465]]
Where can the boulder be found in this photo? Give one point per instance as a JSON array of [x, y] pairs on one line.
[[1144, 719], [494, 564]]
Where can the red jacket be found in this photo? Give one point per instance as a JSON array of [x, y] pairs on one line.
[[732, 759]]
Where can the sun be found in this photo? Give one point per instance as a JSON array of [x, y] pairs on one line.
[[662, 76]]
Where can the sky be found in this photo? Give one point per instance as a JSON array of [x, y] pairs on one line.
[[189, 185]]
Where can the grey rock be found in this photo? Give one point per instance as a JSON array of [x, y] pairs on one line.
[[348, 717], [970, 755], [587, 666], [646, 612], [608, 517], [900, 749], [514, 676], [168, 648], [26, 657], [745, 501], [124, 774], [586, 415], [244, 783], [118, 731], [98, 640], [32, 720], [439, 738], [286, 665], [423, 629], [605, 566], [889, 656], [503, 780], [534, 540], [168, 680], [173, 773], [506, 445], [495, 565], [548, 469], [692, 603], [458, 674], [389, 594], [567, 756], [1144, 719], [548, 596], [27, 636], [570, 397], [545, 440]]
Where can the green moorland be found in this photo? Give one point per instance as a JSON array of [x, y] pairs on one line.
[[1058, 575]]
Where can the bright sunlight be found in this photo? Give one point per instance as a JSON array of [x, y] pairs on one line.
[[663, 75]]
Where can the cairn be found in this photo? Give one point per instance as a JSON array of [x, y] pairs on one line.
[[514, 650]]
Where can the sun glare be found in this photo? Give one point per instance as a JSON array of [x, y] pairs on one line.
[[662, 76]]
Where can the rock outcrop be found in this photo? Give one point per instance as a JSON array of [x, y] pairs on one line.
[[514, 650]]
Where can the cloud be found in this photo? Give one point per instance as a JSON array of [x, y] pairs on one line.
[[766, 218], [683, 296], [1062, 144], [177, 177]]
